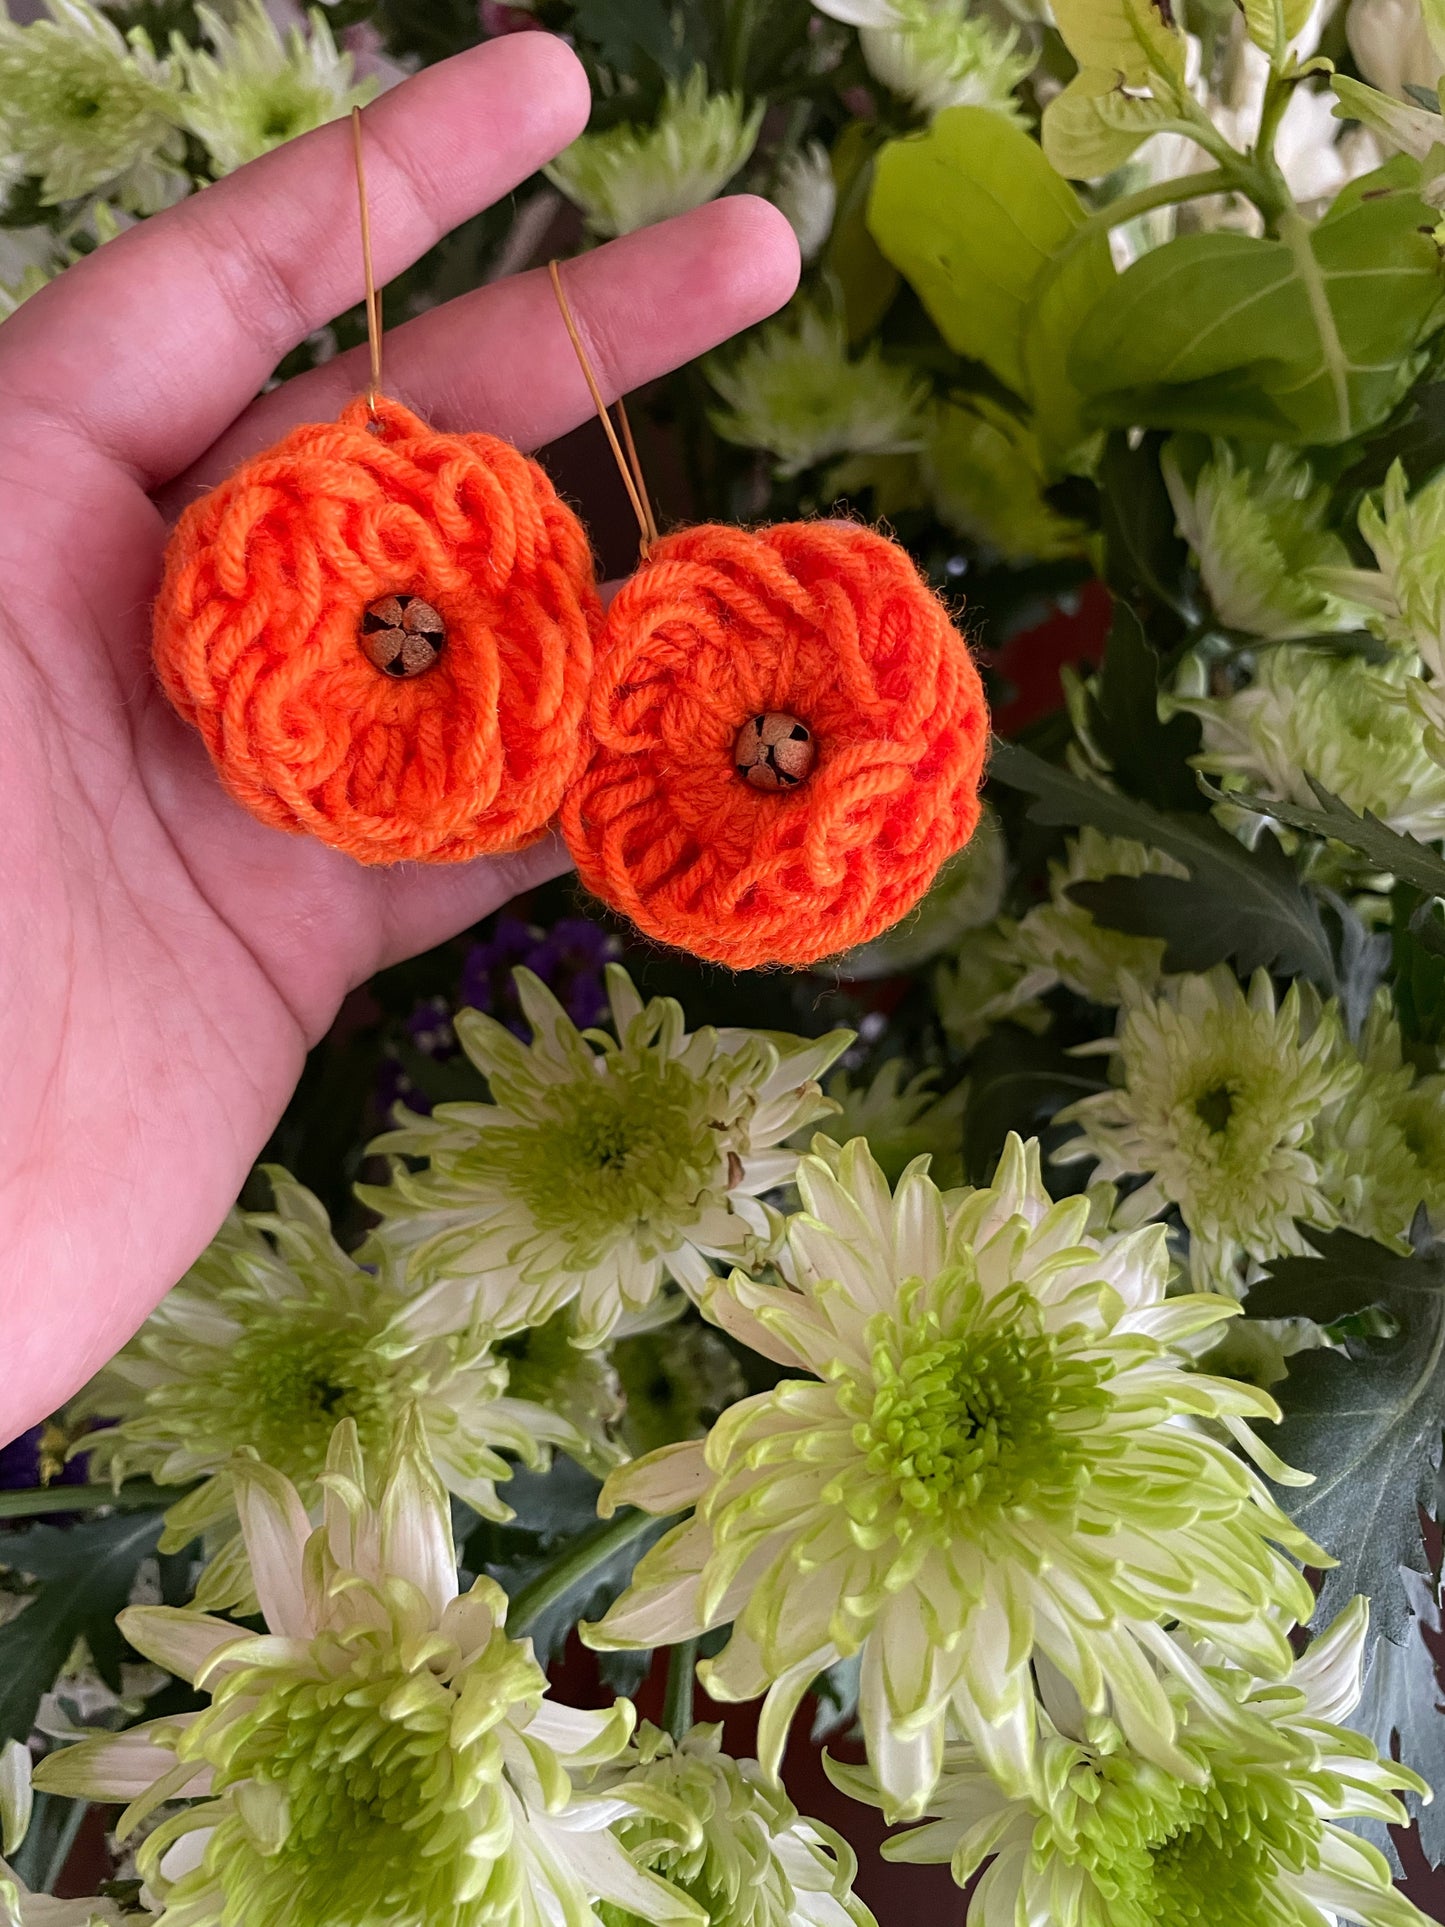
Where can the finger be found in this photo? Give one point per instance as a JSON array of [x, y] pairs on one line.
[[155, 342], [501, 360], [423, 906]]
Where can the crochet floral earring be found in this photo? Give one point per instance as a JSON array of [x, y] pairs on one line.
[[787, 736], [384, 634]]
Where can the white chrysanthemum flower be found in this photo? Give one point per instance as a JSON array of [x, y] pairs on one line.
[[794, 390], [1392, 45], [1405, 594], [30, 258], [1216, 1099], [808, 195], [1259, 534], [745, 1854], [1058, 942], [627, 177], [1382, 1152], [1345, 721], [966, 894], [985, 475], [678, 1380], [988, 982], [89, 110], [382, 1752], [581, 1387], [937, 53], [901, 1121], [599, 1169], [1251, 1838], [273, 1336], [18, 1906], [998, 1457], [257, 87]]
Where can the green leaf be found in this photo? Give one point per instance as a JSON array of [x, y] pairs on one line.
[[1307, 338], [1414, 437], [1094, 126], [1016, 1082], [86, 1573], [557, 1563], [1146, 559], [1150, 757], [986, 480], [1390, 850], [1367, 1421], [1244, 905], [620, 30], [972, 214], [1417, 936], [1078, 276], [1132, 38], [1272, 24], [1414, 129], [866, 280], [1402, 1699]]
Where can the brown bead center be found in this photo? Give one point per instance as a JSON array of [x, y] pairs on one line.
[[402, 635], [774, 752]]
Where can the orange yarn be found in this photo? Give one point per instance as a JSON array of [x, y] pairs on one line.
[[830, 623], [266, 584]]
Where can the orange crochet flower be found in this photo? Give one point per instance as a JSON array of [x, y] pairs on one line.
[[828, 623], [259, 626]]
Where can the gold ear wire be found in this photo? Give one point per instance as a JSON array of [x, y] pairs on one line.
[[628, 464], [373, 297]]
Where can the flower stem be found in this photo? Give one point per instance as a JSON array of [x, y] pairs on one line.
[[136, 1495], [582, 1558], [677, 1707]]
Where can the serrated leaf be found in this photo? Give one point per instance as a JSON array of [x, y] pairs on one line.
[[86, 1573], [1366, 1422], [1305, 338], [971, 213], [1402, 1698], [556, 1511], [1149, 756], [1146, 559], [1417, 936], [1245, 905], [1389, 850], [1016, 1082]]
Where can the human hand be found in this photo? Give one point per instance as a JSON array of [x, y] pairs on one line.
[[165, 961]]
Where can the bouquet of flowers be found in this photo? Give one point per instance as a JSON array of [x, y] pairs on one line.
[[1021, 1341]]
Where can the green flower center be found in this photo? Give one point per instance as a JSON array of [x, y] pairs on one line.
[[378, 1806], [1166, 1854], [628, 1152], [988, 1414], [1215, 1108], [286, 1386]]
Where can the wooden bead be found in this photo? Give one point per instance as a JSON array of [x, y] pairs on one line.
[[774, 752], [402, 635]]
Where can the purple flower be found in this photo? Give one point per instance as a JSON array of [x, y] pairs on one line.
[[568, 958], [430, 1028], [35, 1459], [394, 1087]]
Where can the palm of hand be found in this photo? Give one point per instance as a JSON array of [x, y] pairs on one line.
[[167, 960]]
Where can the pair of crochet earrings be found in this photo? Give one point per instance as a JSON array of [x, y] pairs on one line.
[[392, 639]]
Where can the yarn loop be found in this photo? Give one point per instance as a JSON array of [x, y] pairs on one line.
[[827, 623], [261, 620]]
